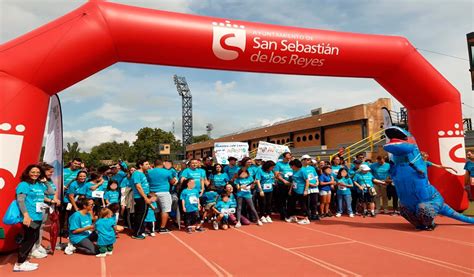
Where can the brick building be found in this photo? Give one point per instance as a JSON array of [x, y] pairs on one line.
[[313, 134]]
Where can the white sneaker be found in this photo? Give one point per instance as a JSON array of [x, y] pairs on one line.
[[23, 267], [215, 225], [69, 250], [269, 219], [38, 255], [351, 215], [109, 253], [238, 225], [263, 219], [386, 212], [102, 255], [303, 221], [291, 219], [42, 249], [153, 234], [31, 264], [259, 223], [338, 215]]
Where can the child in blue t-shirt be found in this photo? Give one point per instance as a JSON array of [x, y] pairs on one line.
[[223, 209], [150, 218], [191, 206], [209, 199], [106, 227], [111, 198], [344, 185]]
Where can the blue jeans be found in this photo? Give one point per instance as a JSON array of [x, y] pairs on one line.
[[347, 199]]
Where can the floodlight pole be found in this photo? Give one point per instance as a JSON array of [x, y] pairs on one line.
[[187, 110]]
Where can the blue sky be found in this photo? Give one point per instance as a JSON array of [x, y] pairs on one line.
[[115, 103]]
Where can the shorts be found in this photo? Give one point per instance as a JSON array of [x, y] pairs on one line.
[[209, 206], [191, 218], [163, 199], [366, 197], [324, 192]]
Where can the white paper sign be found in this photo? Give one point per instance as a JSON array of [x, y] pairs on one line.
[[269, 151], [224, 150], [98, 194]]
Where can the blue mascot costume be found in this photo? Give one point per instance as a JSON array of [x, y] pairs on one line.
[[420, 202]]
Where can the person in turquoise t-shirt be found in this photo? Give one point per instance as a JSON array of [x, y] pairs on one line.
[[191, 206], [77, 188], [141, 189], [219, 178], [232, 168], [283, 173], [244, 185], [380, 169], [298, 193], [344, 185], [81, 229], [196, 174], [150, 219], [364, 181], [265, 181], [111, 198], [469, 167], [223, 209], [313, 191], [106, 227]]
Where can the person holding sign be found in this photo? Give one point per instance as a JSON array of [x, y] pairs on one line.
[[92, 190], [265, 180], [298, 193], [283, 173], [244, 183]]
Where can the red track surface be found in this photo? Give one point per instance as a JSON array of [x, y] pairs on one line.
[[345, 246]]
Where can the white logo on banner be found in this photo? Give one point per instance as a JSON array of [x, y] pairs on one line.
[[451, 149], [228, 40], [10, 149]]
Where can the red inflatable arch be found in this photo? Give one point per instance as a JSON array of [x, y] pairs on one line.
[[99, 34]]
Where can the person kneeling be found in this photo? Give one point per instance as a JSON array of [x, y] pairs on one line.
[[106, 228]]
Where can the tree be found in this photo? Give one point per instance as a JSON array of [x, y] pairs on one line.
[[201, 138], [72, 151], [148, 141]]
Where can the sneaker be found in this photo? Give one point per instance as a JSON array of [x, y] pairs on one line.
[[269, 219], [101, 255], [328, 215], [42, 249], [200, 229], [303, 221], [109, 253], [153, 234], [31, 264], [372, 214], [215, 225], [69, 250], [338, 215], [263, 219], [394, 214], [291, 219], [38, 255], [315, 217], [23, 267], [386, 212], [351, 215], [144, 234], [259, 223], [164, 231], [189, 230], [238, 225], [140, 237]]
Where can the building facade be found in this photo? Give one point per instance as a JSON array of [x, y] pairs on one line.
[[315, 133]]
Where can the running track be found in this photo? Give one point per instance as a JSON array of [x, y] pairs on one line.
[[384, 245]]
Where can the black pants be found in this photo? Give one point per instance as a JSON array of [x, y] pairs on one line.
[[265, 203], [141, 210], [355, 200], [392, 193], [313, 200], [301, 199], [30, 237], [282, 200], [86, 246]]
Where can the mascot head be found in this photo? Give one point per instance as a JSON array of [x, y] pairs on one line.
[[401, 141]]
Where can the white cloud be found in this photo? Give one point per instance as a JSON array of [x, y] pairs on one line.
[[110, 112], [221, 87], [150, 118], [97, 135]]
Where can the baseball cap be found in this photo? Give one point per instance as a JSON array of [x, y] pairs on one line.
[[305, 157], [364, 167]]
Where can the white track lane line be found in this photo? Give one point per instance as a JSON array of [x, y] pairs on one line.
[[331, 267], [207, 262], [429, 260], [320, 245], [103, 267], [223, 270]]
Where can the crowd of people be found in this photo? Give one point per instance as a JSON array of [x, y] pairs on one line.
[[151, 198]]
